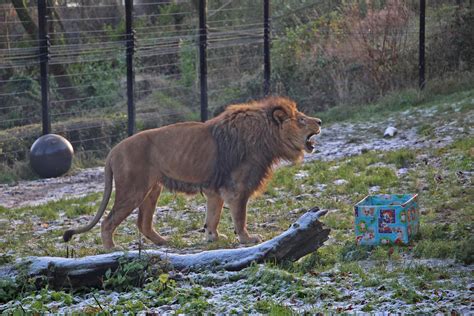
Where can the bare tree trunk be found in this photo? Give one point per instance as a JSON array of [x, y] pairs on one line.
[[56, 69], [303, 237], [25, 19]]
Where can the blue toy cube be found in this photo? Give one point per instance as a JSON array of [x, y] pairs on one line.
[[386, 219]]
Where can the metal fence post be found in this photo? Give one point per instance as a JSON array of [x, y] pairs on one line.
[[43, 43], [421, 57], [129, 59], [266, 46], [203, 57]]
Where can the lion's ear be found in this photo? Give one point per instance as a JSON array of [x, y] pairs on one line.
[[279, 115]]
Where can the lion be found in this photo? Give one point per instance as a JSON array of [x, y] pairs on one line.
[[228, 159]]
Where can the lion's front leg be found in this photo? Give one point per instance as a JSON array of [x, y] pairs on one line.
[[213, 215], [238, 211]]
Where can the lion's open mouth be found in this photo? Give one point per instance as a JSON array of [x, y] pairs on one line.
[[310, 143]]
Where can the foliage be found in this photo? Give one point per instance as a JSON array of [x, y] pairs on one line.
[[465, 251], [356, 52], [8, 290], [22, 284], [402, 158], [450, 41], [129, 274], [322, 56], [23, 90], [187, 63], [94, 135], [193, 300], [269, 307], [100, 82]]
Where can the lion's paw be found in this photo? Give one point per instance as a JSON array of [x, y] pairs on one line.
[[211, 237], [250, 239], [116, 248]]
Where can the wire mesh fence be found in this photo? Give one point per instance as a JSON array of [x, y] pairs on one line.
[[323, 53], [86, 51]]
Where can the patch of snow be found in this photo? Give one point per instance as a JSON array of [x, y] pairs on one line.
[[402, 171], [36, 192], [340, 182], [321, 187], [374, 189], [301, 175]]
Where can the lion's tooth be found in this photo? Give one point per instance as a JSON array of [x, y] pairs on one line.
[[312, 139]]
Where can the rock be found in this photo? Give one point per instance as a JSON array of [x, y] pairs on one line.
[[303, 197], [390, 132]]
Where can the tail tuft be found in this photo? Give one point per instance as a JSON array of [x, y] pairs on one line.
[[68, 235]]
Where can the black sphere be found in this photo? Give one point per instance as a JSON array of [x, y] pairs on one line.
[[51, 156]]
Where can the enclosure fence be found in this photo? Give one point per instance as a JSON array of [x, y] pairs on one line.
[[97, 71]]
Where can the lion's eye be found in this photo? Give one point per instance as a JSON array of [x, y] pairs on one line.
[[302, 121]]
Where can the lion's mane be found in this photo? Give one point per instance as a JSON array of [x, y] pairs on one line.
[[248, 133]]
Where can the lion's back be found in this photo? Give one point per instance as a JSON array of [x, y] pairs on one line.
[[183, 152]]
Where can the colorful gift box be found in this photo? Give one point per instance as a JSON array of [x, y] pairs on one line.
[[386, 219]]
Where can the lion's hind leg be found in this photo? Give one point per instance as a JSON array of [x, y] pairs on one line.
[[145, 216], [126, 200], [121, 209]]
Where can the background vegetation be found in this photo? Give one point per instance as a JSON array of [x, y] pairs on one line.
[[325, 54]]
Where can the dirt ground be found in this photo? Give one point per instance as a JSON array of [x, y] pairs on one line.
[[383, 283], [336, 141]]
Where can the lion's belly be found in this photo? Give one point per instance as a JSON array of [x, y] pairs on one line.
[[179, 186]]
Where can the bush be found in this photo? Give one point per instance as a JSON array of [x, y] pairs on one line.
[[363, 50], [465, 251]]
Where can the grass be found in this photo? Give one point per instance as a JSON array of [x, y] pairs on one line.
[[269, 307], [340, 262], [400, 101], [442, 232], [377, 278], [52, 210]]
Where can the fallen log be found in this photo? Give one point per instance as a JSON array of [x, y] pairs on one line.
[[303, 237]]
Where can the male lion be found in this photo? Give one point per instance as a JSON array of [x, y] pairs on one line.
[[228, 158]]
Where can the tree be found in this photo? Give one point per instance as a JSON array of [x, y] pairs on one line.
[[68, 90]]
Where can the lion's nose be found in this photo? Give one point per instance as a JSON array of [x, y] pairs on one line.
[[319, 122]]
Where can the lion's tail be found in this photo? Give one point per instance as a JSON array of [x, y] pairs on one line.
[[108, 175]]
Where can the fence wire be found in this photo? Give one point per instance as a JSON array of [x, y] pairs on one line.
[[87, 69]]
